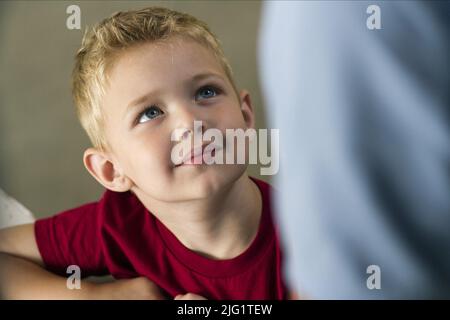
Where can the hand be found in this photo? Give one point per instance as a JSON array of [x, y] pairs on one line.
[[189, 296]]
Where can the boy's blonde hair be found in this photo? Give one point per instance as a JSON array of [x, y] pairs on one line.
[[120, 31]]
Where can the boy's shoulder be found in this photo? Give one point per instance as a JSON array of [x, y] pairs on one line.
[[113, 209], [118, 201], [121, 209]]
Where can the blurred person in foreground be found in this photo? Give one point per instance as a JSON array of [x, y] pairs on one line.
[[364, 144]]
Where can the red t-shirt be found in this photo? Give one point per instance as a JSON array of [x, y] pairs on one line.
[[117, 235]]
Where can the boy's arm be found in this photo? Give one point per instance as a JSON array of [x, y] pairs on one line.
[[23, 279], [22, 275], [21, 268], [20, 241]]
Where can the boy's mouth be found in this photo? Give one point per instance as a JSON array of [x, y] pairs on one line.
[[196, 155]]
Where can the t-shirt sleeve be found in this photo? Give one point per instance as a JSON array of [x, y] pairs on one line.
[[72, 237]]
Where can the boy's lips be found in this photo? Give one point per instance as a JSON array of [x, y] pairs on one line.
[[195, 156]]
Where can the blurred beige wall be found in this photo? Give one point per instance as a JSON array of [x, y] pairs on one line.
[[41, 142]]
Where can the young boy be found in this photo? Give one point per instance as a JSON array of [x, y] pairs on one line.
[[183, 230]]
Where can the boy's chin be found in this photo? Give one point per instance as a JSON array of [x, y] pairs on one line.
[[214, 180]]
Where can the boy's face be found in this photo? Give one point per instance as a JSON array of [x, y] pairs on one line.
[[181, 81]]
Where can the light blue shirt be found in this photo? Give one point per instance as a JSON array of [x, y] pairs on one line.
[[364, 144]]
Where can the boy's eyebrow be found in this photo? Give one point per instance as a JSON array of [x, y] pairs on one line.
[[197, 77]]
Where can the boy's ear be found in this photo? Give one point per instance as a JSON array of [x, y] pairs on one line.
[[103, 169], [247, 108]]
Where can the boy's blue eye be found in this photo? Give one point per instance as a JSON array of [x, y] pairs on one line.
[[206, 92], [150, 113]]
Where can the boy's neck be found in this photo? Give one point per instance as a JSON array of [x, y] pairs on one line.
[[221, 227]]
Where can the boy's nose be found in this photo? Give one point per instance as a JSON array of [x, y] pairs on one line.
[[189, 122], [186, 134], [196, 127], [189, 119]]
